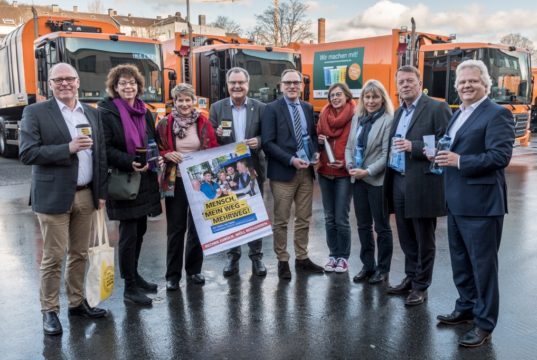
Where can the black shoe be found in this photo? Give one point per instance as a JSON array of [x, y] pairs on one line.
[[232, 267], [51, 323], [308, 265], [197, 279], [378, 277], [416, 297], [474, 338], [86, 311], [362, 275], [172, 285], [136, 296], [284, 272], [145, 285], [258, 268], [456, 317], [403, 288]]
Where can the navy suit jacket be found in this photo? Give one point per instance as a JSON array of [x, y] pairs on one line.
[[485, 145], [279, 141]]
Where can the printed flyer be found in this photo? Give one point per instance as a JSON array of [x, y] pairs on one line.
[[224, 197]]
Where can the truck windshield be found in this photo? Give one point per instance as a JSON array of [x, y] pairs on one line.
[[93, 59], [265, 69]]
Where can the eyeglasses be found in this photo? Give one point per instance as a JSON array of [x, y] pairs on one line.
[[59, 81], [336, 94], [233, 83], [291, 83], [125, 83]]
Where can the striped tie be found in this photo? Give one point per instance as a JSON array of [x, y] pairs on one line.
[[298, 126]]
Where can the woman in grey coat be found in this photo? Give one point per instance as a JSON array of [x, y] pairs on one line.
[[366, 156]]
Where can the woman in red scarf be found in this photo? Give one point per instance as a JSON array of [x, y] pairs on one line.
[[185, 130], [333, 129], [128, 126]]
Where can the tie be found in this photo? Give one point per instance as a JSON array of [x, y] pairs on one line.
[[298, 126]]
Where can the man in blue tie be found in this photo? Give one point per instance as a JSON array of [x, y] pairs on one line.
[[476, 196], [290, 144]]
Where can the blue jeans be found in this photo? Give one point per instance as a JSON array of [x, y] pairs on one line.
[[369, 207], [336, 195]]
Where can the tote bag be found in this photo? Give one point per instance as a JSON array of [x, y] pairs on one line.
[[100, 276]]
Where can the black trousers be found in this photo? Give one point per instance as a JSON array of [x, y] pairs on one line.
[[131, 235], [179, 221], [256, 246], [417, 239]]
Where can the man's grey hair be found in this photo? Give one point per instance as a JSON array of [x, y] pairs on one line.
[[239, 70], [287, 71], [53, 67], [475, 64]]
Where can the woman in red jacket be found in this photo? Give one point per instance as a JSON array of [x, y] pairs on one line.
[[333, 127], [185, 130]]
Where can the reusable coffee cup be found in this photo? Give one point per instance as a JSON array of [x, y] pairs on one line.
[[83, 130], [141, 156], [428, 144]]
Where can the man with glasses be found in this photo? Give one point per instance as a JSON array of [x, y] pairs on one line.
[[290, 143], [237, 118], [69, 177]]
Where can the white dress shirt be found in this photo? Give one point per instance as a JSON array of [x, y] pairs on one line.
[[239, 119], [463, 116]]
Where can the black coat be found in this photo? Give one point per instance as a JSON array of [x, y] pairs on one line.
[[148, 200]]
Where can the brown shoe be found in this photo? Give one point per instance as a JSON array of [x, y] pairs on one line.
[[403, 288], [284, 272], [416, 297]]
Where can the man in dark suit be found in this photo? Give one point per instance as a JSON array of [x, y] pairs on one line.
[[68, 184], [290, 143], [237, 118], [414, 193], [476, 194]]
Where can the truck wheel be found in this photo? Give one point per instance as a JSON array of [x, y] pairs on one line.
[[7, 150]]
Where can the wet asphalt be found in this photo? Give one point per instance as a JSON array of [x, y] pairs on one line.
[[247, 317]]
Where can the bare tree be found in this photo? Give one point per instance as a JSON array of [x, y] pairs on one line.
[[519, 41], [96, 7], [293, 24], [230, 26]]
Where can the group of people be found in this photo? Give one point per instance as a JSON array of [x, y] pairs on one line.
[[349, 150]]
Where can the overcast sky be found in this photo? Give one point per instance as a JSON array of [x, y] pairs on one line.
[[471, 20]]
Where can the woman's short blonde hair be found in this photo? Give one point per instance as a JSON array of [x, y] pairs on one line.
[[183, 89], [376, 87], [127, 71]]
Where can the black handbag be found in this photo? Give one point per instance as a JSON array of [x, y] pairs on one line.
[[123, 185]]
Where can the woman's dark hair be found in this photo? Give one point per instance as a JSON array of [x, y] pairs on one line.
[[127, 71]]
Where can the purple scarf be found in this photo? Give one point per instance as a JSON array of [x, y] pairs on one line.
[[133, 120]]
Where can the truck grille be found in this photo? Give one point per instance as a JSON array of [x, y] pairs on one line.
[[521, 122]]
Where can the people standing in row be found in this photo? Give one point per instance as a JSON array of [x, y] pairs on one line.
[[69, 175], [237, 118], [366, 155], [290, 143], [482, 134], [414, 193], [184, 131], [333, 127], [127, 126]]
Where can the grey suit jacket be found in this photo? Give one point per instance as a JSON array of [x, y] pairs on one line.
[[44, 144], [376, 150], [221, 110]]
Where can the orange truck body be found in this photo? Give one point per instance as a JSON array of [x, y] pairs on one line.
[[358, 60], [91, 46]]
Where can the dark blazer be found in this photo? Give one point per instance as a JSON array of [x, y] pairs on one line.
[[485, 145], [424, 193], [148, 200], [279, 141], [221, 110], [44, 144]]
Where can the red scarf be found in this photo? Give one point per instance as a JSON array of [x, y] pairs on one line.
[[333, 124]]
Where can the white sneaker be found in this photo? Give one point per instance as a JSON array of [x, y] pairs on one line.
[[342, 265], [330, 265]]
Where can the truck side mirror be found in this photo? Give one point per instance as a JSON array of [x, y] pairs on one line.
[[307, 82]]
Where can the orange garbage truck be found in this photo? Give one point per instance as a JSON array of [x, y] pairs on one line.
[[92, 47]]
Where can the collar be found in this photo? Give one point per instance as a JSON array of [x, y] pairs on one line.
[[474, 105], [244, 104], [412, 106], [289, 102], [62, 106]]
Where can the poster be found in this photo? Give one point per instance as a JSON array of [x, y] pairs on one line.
[[224, 197], [338, 66]]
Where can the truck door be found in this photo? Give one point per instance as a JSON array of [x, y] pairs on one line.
[[46, 55]]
